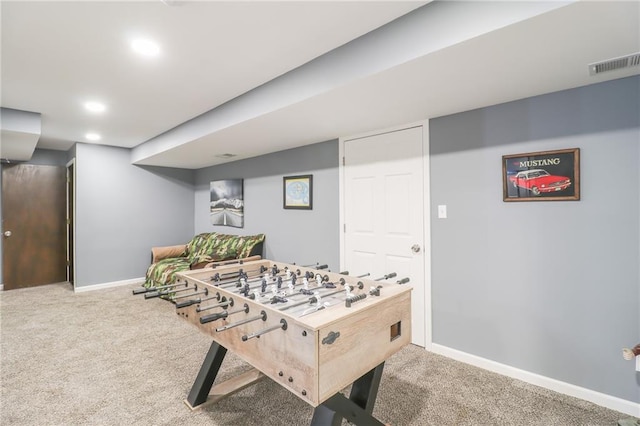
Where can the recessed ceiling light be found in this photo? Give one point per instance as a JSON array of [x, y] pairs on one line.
[[145, 47], [92, 137], [95, 106]]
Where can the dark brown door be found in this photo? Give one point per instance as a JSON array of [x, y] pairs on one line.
[[33, 231]]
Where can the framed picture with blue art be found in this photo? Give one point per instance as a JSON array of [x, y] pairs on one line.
[[298, 192]]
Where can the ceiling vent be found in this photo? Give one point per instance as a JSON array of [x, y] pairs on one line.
[[627, 61], [226, 155]]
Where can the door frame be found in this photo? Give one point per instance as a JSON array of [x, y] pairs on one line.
[[2, 163], [426, 252], [71, 216]]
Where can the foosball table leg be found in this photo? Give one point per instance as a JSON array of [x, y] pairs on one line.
[[357, 409], [207, 375]]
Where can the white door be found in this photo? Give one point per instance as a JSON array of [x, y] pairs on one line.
[[383, 189]]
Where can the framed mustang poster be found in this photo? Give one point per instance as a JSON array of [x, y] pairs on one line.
[[542, 176]]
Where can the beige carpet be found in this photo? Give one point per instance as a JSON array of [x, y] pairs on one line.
[[106, 357]]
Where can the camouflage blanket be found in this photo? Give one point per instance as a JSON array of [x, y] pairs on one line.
[[202, 249]]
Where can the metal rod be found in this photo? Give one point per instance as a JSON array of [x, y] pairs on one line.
[[223, 303], [236, 274], [156, 288], [205, 292], [268, 281], [234, 261], [164, 293], [311, 299], [238, 282], [316, 265], [283, 325], [323, 279], [235, 281], [262, 316], [386, 277], [217, 297], [273, 279], [224, 314], [325, 286]]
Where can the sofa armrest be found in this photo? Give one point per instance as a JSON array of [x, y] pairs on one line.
[[159, 253], [257, 249]]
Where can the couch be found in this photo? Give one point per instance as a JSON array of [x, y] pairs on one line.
[[203, 249]]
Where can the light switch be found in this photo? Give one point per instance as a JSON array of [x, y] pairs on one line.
[[442, 211]]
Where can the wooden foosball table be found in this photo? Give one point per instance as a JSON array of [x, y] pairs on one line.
[[311, 331]]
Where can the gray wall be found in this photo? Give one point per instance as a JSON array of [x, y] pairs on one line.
[[123, 210], [48, 157], [547, 287], [300, 236]]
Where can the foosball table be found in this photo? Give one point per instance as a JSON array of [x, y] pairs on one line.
[[312, 331]]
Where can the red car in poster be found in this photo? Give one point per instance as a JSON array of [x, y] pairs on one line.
[[539, 181]]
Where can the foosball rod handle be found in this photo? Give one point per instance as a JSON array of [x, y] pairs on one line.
[[352, 299], [403, 281], [213, 317], [151, 295], [316, 265], [386, 277], [187, 303]]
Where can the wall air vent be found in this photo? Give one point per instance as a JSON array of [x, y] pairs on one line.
[[627, 61]]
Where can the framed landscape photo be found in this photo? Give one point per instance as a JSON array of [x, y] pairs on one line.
[[298, 192], [542, 176], [227, 202]]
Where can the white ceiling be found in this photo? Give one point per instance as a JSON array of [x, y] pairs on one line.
[[57, 55]]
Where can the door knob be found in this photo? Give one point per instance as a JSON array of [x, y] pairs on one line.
[[415, 248], [7, 233]]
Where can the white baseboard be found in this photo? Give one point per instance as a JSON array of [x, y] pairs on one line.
[[604, 400], [107, 285]]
